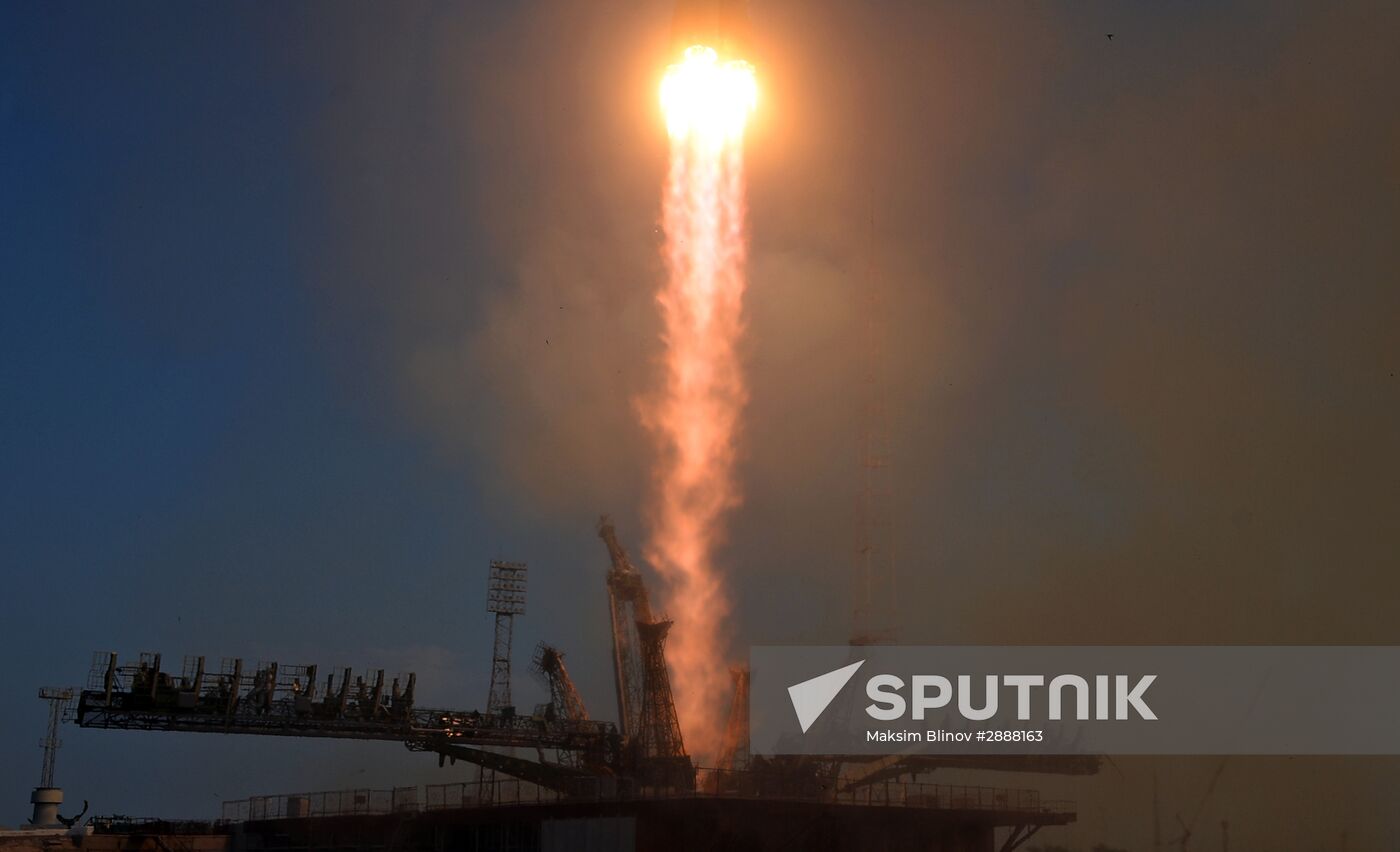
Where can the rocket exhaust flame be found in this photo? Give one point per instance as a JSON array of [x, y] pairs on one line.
[[708, 99], [695, 416]]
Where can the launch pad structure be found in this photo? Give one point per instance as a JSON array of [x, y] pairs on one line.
[[637, 769]]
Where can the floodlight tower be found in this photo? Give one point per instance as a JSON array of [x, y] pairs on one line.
[[46, 797], [505, 596]]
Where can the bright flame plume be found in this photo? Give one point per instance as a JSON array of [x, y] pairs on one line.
[[704, 97], [695, 418]]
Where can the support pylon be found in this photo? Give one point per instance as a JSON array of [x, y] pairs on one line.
[[58, 699], [661, 757], [628, 606], [735, 754]]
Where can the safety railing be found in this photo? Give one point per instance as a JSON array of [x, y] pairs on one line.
[[322, 804], [505, 791]]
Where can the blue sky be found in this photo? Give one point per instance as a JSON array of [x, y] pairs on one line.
[[185, 468]]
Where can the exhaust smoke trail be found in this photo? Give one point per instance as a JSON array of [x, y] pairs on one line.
[[695, 416]]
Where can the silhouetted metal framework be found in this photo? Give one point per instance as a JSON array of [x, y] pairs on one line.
[[564, 699], [59, 698], [735, 752], [566, 703], [865, 771], [278, 700], [505, 596], [660, 751], [628, 606]]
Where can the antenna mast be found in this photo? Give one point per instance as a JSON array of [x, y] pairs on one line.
[[58, 700]]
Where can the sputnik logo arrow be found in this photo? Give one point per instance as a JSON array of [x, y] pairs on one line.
[[811, 697]]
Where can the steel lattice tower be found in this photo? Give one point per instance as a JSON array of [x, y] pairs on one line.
[[662, 760], [660, 733], [563, 695], [58, 700], [628, 606], [505, 596], [735, 754]]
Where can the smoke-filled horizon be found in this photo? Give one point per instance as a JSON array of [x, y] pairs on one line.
[[305, 320]]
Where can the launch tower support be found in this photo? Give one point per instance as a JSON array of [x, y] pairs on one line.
[[661, 757], [628, 606]]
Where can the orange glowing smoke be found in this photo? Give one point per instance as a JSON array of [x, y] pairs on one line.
[[695, 417]]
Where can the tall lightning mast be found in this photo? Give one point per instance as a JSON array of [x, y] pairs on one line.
[[58, 699], [46, 798], [505, 596]]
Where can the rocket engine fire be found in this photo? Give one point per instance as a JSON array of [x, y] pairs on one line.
[[707, 97]]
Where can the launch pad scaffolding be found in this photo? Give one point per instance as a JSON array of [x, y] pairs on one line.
[[502, 791], [579, 759]]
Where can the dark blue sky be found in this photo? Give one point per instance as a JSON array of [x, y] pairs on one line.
[[188, 465], [276, 284]]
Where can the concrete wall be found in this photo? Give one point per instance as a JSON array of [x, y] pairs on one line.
[[595, 834], [62, 840]]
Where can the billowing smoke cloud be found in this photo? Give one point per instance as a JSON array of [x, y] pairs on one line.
[[1140, 301]]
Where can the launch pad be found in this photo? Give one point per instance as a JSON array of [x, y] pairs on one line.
[[589, 774]]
